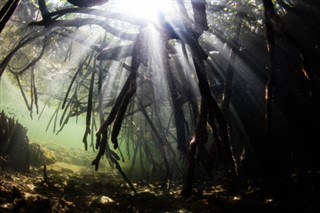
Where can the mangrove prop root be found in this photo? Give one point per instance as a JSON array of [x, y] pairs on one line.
[[52, 117], [199, 13], [102, 149], [158, 136], [268, 11], [65, 109], [34, 89], [214, 111], [133, 159], [122, 174], [71, 83], [125, 102], [7, 11], [89, 109], [22, 92], [177, 108], [102, 141], [121, 100], [200, 137], [208, 107], [120, 115], [45, 176], [93, 126]]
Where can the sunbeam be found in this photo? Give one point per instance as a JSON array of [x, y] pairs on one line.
[[205, 100], [144, 9]]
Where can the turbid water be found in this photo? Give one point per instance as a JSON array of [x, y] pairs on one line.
[[12, 103]]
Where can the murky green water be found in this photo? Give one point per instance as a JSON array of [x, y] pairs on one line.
[[11, 101]]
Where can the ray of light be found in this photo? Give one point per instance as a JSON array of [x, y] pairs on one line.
[[144, 9]]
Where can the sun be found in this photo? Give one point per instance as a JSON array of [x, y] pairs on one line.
[[145, 9]]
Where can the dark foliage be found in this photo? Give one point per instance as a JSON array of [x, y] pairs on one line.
[[14, 144]]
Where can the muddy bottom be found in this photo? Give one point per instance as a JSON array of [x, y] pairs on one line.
[[68, 187]]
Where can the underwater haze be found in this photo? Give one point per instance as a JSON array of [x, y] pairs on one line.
[[12, 103], [184, 105]]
